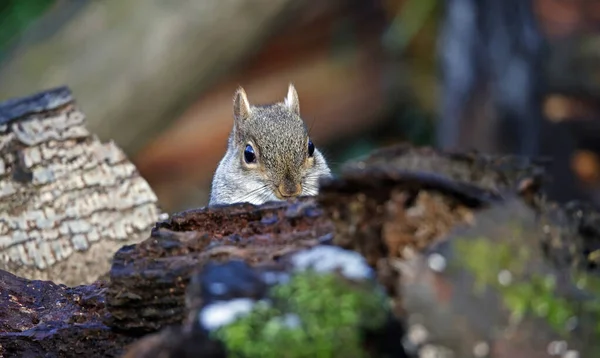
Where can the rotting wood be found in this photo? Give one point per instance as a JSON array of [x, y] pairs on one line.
[[67, 201], [381, 203], [500, 289], [43, 319], [411, 197], [148, 280]]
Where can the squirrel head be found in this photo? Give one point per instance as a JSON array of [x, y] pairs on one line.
[[273, 147]]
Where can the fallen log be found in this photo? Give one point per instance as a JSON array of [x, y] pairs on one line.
[[38, 318], [394, 202], [504, 295], [322, 301], [148, 281], [67, 201], [376, 215], [410, 197]]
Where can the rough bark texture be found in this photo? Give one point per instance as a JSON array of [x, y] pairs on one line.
[[398, 208], [68, 201], [148, 281], [411, 197], [43, 319]]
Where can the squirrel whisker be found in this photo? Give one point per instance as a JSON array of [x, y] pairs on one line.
[[260, 191]]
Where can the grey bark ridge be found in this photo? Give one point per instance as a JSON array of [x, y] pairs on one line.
[[67, 201]]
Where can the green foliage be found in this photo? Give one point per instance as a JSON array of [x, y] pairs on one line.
[[330, 314], [16, 15]]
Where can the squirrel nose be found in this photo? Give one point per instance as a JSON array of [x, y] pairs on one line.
[[289, 190]]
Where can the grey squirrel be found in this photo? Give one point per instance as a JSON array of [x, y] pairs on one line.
[[269, 157]]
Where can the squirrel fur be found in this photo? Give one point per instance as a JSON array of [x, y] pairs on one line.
[[269, 157]]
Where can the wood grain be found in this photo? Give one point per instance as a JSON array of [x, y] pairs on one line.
[[67, 200]]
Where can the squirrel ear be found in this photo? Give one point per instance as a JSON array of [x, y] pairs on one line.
[[291, 100], [241, 105]]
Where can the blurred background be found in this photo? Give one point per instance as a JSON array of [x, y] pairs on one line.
[[157, 77]]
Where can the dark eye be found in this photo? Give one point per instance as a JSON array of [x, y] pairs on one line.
[[249, 155], [311, 148]]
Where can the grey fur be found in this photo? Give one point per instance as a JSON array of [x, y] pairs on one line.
[[280, 140]]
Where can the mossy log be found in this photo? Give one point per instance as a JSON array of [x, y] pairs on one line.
[[505, 288], [395, 207]]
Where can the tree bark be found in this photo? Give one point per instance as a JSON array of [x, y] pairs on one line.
[[67, 201], [393, 202]]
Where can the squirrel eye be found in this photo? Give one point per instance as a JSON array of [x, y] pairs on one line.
[[249, 155], [311, 148]]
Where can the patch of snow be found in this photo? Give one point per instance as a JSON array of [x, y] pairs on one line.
[[222, 313], [328, 258]]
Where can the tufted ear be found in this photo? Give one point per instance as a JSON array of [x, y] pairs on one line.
[[241, 106], [291, 100]]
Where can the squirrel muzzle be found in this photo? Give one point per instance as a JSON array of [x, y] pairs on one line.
[[288, 190]]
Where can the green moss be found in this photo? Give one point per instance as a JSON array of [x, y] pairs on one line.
[[331, 314], [527, 293], [487, 260]]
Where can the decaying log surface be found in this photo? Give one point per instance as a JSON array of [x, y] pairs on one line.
[[375, 216], [506, 299], [411, 197], [147, 281], [378, 210], [43, 319], [67, 201], [396, 202], [153, 274], [341, 285], [402, 198]]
